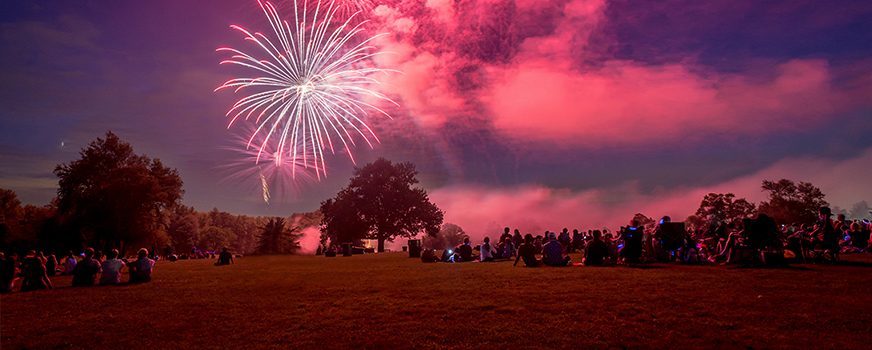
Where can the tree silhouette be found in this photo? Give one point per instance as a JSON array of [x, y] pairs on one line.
[[791, 202], [112, 196], [719, 208], [380, 203], [276, 238]]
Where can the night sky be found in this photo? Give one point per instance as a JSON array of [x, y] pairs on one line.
[[524, 113]]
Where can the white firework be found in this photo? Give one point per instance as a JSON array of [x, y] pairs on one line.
[[313, 88]]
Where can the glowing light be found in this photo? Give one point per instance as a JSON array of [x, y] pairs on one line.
[[314, 89]]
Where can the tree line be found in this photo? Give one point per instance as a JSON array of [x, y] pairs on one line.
[[112, 198]]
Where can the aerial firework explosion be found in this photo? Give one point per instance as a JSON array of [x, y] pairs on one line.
[[314, 87]]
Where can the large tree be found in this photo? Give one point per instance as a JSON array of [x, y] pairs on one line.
[[112, 196], [791, 202], [380, 203], [719, 208], [10, 217]]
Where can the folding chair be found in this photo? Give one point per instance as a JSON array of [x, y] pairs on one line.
[[672, 236], [632, 249]]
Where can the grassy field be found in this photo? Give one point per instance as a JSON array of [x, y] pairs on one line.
[[388, 300]]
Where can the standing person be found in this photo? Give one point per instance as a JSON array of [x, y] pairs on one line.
[[225, 258], [70, 264], [140, 270], [34, 275], [111, 268], [826, 233], [527, 251], [86, 270], [8, 272]]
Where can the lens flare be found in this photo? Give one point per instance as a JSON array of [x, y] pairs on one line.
[[315, 86]]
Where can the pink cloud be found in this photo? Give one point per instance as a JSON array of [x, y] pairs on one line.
[[632, 103], [542, 94]]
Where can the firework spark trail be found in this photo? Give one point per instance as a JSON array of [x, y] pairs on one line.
[[313, 89], [265, 189]]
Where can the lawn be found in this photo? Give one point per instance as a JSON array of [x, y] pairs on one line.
[[388, 300]]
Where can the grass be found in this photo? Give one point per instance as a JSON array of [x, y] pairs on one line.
[[388, 300]]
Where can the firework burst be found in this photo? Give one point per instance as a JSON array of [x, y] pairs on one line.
[[313, 88]]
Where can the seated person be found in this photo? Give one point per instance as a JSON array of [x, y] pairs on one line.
[[858, 238], [140, 269], [527, 251], [428, 256], [111, 268], [488, 252], [537, 244], [509, 250], [70, 264], [225, 258], [34, 275], [465, 251], [8, 272], [577, 241], [86, 270], [564, 239], [597, 252], [552, 253]]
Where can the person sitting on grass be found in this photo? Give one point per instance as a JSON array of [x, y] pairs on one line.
[[552, 253], [506, 235], [517, 239], [70, 264], [429, 256], [8, 272], [225, 258], [537, 244], [86, 270], [564, 240], [465, 251], [34, 275], [527, 251], [577, 241], [597, 252], [111, 268], [508, 249], [488, 252], [140, 269]]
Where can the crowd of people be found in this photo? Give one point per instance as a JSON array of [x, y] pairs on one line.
[[35, 270], [729, 242]]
